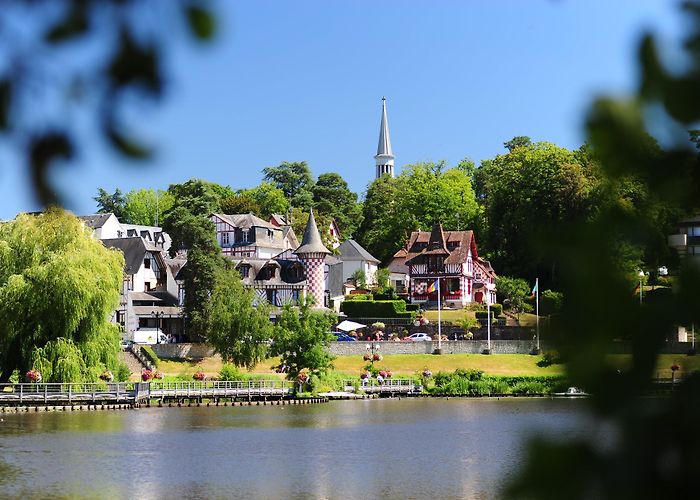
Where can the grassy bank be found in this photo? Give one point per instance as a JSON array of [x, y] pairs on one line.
[[410, 364]]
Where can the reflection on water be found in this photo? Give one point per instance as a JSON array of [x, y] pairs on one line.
[[410, 448]]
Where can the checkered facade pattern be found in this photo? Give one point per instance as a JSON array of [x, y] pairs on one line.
[[313, 267]]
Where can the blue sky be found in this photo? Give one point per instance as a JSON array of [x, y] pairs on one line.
[[303, 81]]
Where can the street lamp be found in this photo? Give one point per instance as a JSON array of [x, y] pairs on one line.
[[159, 317], [641, 284]]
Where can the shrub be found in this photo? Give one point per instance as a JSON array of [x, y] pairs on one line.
[[469, 374], [483, 315], [123, 372], [230, 372], [550, 302], [147, 351], [549, 358], [375, 309], [413, 307], [496, 309]]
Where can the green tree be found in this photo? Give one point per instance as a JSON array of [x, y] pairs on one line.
[[110, 203], [112, 66], [519, 141], [301, 339], [513, 292], [262, 200], [295, 180], [423, 194], [525, 193], [382, 276], [333, 198], [146, 206], [58, 287], [238, 329], [636, 463], [360, 278], [188, 224]]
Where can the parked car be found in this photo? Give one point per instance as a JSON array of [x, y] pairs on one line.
[[344, 337], [419, 337]]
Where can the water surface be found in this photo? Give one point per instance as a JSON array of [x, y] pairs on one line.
[[409, 448]]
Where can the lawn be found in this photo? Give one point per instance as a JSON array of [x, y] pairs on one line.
[[410, 364]]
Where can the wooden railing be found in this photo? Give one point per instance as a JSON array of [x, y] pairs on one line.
[[122, 392], [220, 389]]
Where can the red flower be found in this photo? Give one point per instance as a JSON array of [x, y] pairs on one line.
[[199, 376], [146, 375], [675, 367]]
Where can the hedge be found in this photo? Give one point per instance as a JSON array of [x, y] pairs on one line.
[[147, 351], [475, 383], [375, 309]]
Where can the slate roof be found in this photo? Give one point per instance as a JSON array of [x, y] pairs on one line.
[[134, 250], [282, 276], [311, 243], [454, 245], [350, 250], [398, 262], [95, 221], [245, 221]]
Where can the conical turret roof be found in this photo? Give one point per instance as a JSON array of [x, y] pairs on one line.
[[311, 243]]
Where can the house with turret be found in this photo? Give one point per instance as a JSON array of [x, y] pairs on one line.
[[452, 259]]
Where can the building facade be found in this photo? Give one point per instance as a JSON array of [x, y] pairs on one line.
[[450, 257]]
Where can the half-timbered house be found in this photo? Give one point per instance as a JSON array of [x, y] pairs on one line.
[[452, 258]]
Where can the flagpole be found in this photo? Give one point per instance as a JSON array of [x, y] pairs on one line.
[[537, 311], [439, 319]]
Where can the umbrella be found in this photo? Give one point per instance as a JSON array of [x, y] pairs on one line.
[[348, 326]]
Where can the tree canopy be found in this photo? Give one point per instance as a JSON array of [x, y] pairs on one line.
[[58, 289], [421, 195], [239, 330], [301, 339], [295, 180], [333, 198]]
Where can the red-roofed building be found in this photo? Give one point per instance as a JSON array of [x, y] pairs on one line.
[[451, 257]]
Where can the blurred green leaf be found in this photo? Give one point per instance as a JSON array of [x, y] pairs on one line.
[[75, 23], [128, 146], [133, 64], [43, 150], [5, 101], [201, 22]]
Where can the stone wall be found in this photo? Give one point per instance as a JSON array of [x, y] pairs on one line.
[[183, 351], [448, 347]]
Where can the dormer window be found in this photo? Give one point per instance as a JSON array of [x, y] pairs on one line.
[[244, 234], [244, 270]]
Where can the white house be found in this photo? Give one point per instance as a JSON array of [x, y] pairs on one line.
[[355, 258]]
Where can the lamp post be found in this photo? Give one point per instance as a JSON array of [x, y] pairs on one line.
[[372, 354], [159, 317], [641, 285]]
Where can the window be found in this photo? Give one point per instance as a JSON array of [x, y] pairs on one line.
[[225, 238], [245, 236], [245, 271], [147, 263], [120, 234], [271, 295]]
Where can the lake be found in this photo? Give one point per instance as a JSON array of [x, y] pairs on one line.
[[408, 448]]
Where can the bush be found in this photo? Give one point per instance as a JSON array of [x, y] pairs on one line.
[[664, 281], [359, 297], [413, 307], [497, 309], [549, 358], [230, 372], [550, 302], [375, 309], [482, 316], [123, 373], [147, 351], [475, 383], [469, 374]]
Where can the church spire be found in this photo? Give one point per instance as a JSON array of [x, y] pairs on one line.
[[385, 156]]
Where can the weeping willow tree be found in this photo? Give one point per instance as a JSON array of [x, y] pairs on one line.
[[58, 288]]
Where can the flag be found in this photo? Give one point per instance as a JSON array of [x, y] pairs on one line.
[[433, 286], [535, 288]]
